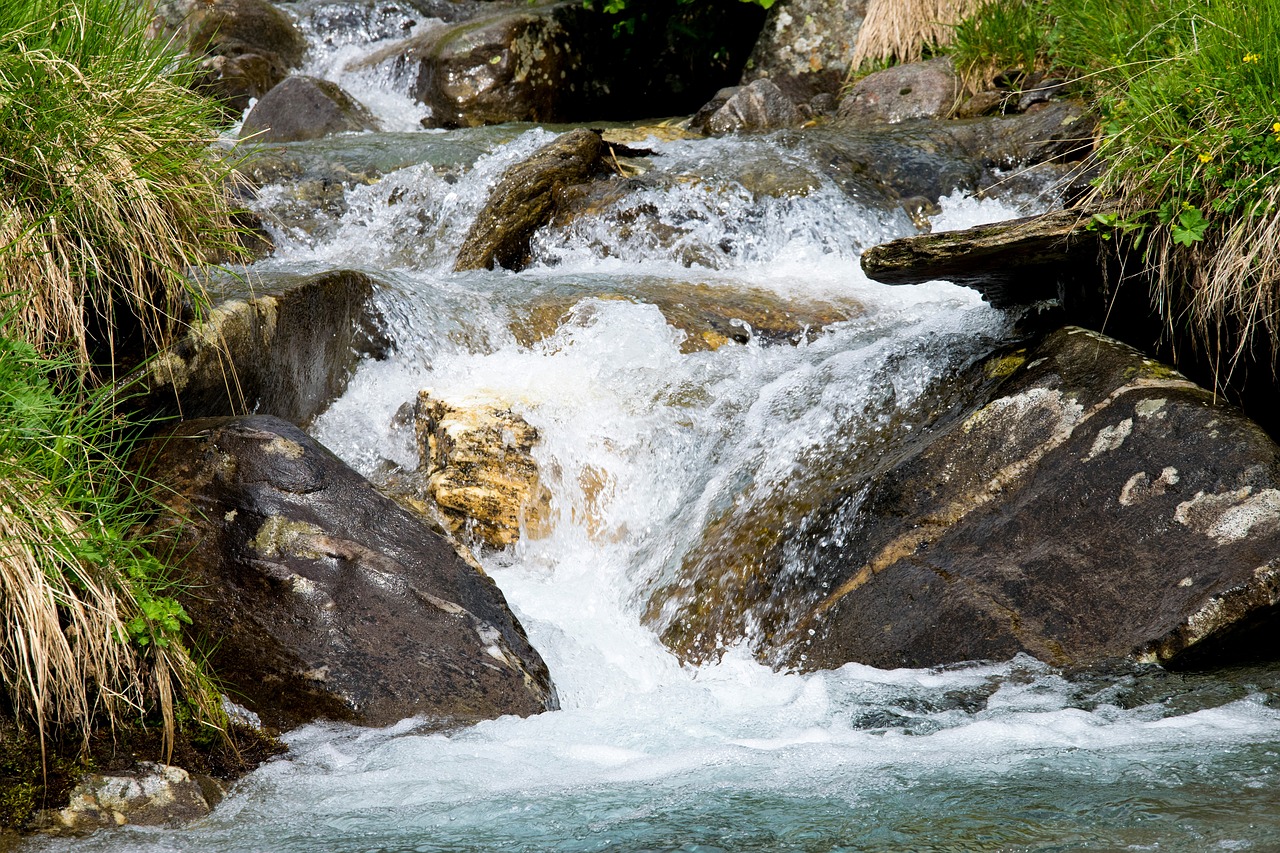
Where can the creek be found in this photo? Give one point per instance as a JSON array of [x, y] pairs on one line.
[[643, 444]]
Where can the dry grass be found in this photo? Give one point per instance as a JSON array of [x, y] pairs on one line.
[[901, 30]]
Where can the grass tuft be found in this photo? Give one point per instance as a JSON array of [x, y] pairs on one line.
[[903, 30], [109, 188]]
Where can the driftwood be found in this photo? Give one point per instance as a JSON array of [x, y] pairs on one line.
[[1018, 262]]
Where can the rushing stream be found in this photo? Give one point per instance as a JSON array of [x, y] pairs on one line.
[[642, 443]]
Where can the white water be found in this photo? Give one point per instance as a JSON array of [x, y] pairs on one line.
[[647, 754]]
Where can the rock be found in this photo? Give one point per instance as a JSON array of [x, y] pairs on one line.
[[1019, 262], [304, 107], [1086, 504], [476, 458], [288, 351], [1043, 90], [248, 45], [806, 46], [929, 89], [150, 795], [324, 598], [758, 106], [982, 104], [509, 66], [524, 199], [698, 122], [1060, 131], [710, 316]]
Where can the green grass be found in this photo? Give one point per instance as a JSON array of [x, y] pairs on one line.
[[88, 632], [109, 188], [1191, 145]]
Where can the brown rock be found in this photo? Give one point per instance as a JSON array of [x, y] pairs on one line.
[[758, 106], [478, 467], [525, 199], [304, 107]]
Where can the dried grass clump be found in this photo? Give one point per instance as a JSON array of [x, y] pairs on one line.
[[112, 190], [901, 30]]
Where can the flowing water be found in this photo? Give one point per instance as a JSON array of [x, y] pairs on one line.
[[644, 440]]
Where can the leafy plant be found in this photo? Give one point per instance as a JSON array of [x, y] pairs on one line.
[[86, 625]]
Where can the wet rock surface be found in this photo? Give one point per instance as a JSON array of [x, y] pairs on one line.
[[761, 105], [303, 107], [1086, 504], [288, 350], [525, 199], [248, 45], [319, 597]]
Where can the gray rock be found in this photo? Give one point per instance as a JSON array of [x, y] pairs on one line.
[[150, 795], [302, 107], [287, 351], [325, 598], [1086, 503], [248, 45], [758, 106], [806, 46], [929, 89]]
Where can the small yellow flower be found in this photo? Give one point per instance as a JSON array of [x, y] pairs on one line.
[[1275, 128], [1251, 57], [1205, 157]]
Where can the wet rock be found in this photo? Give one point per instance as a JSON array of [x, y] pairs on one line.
[[710, 316], [1086, 504], [806, 45], [248, 45], [758, 106], [1043, 90], [304, 107], [525, 199], [509, 66], [1019, 262], [1060, 131], [929, 89], [150, 795], [476, 457], [982, 104], [324, 598], [287, 351]]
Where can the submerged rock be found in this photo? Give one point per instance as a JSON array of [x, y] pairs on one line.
[[150, 795], [303, 107], [476, 458], [1086, 504], [525, 199], [319, 597]]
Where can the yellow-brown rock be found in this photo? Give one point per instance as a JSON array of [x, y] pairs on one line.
[[476, 459]]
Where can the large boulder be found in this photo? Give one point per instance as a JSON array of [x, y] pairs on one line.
[[303, 107], [930, 89], [321, 598], [248, 45], [287, 351], [1086, 504], [806, 46]]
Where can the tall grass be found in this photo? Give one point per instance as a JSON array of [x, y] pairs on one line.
[[109, 190], [903, 30], [1189, 91], [88, 633]]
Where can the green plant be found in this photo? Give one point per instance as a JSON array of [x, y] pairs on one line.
[[1003, 34], [109, 187], [88, 630]]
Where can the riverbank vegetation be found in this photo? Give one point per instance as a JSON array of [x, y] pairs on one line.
[[1190, 145], [111, 194]]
